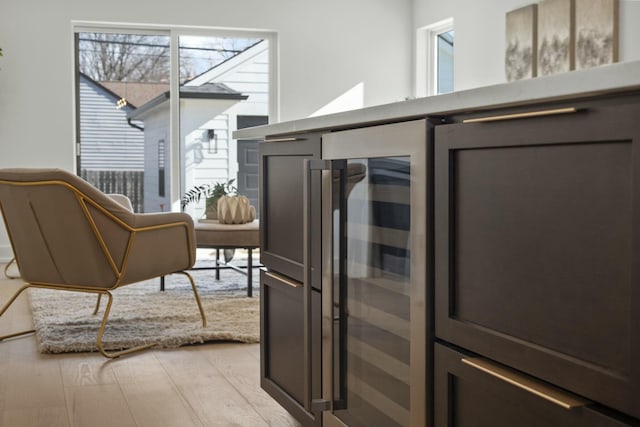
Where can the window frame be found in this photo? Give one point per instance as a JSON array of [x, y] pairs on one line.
[[173, 153]]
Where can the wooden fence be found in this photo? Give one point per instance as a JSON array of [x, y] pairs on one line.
[[129, 183]]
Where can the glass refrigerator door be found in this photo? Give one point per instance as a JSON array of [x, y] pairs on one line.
[[378, 283], [373, 291]]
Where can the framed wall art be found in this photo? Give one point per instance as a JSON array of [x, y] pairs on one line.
[[521, 43], [596, 33], [555, 36]]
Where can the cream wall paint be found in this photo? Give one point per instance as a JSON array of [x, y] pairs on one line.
[[325, 48], [480, 33]]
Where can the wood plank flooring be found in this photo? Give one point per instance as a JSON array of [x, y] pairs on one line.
[[203, 385]]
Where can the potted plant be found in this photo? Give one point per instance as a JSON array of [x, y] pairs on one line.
[[212, 194]]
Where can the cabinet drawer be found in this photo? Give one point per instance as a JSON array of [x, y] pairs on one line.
[[490, 395], [282, 344], [282, 204], [537, 237]]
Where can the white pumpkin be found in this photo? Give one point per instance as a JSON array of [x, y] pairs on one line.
[[235, 210]]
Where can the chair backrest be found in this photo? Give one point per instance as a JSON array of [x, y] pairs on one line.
[[62, 229]]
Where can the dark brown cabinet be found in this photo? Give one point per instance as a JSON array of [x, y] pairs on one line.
[[537, 245], [281, 215], [283, 353], [290, 353], [474, 392]]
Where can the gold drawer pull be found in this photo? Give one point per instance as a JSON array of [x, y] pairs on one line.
[[530, 114], [283, 140], [283, 279], [545, 391]]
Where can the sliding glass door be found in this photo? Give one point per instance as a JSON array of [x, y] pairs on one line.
[[155, 109]]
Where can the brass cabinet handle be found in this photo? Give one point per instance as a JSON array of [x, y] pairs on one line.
[[283, 279], [541, 113], [283, 139], [545, 391]]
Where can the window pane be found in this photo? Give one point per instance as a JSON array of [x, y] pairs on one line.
[[220, 80], [118, 74], [445, 62]]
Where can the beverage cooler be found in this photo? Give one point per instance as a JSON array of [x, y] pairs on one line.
[[374, 226]]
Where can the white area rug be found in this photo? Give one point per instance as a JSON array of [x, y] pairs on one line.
[[141, 314]]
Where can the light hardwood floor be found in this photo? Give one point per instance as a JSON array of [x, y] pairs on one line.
[[203, 385]]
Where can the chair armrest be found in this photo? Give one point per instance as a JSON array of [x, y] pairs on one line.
[[159, 218], [164, 243]]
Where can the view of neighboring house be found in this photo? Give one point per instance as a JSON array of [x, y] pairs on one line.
[[211, 107], [202, 149], [125, 132], [248, 73], [111, 146]]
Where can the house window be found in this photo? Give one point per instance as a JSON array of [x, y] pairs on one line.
[[161, 168], [444, 62], [435, 59]]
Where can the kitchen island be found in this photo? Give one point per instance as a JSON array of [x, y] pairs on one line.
[[462, 259]]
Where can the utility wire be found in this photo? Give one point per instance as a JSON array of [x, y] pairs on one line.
[[165, 46]]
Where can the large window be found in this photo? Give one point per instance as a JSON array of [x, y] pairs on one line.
[[435, 59], [156, 107]]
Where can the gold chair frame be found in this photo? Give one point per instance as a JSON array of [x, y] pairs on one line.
[[6, 269], [119, 271]]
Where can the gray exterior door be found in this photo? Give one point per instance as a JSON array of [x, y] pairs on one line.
[[247, 181]]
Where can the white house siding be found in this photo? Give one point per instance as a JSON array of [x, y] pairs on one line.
[[206, 162], [156, 132], [250, 78], [215, 156], [107, 142], [201, 162], [247, 73]]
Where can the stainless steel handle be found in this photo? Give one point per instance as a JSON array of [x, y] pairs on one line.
[[306, 214], [283, 140], [540, 389], [283, 279], [327, 286], [541, 113]]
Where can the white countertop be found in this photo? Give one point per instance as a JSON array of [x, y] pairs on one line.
[[619, 77]]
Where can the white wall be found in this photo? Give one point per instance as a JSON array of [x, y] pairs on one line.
[[480, 33], [325, 48]]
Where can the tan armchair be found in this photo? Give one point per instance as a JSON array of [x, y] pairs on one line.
[[120, 198], [68, 235]]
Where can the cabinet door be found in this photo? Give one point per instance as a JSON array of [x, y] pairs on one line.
[[469, 394], [537, 238], [281, 215], [282, 345]]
